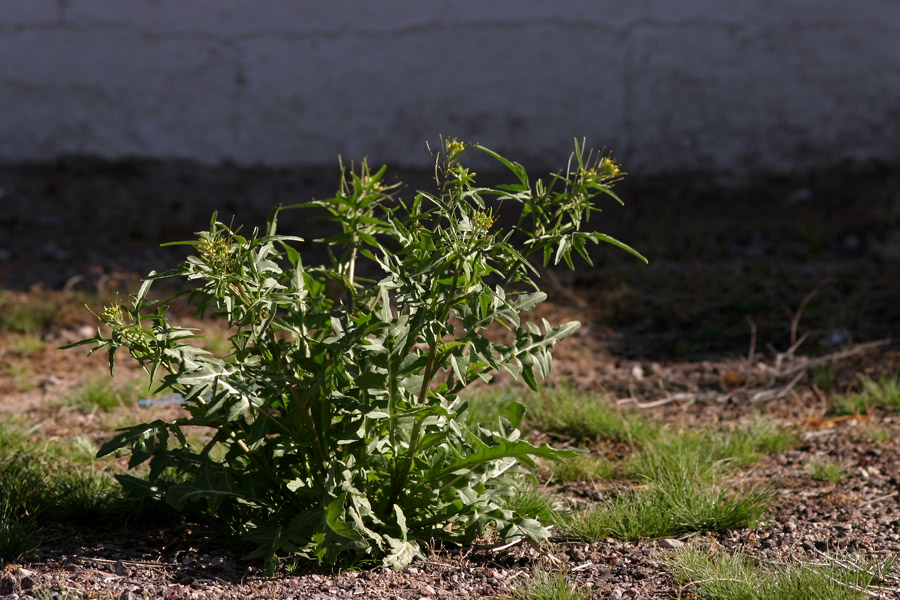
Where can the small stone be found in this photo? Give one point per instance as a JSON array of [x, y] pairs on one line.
[[8, 585], [26, 583], [119, 568], [26, 578], [48, 382], [670, 543]]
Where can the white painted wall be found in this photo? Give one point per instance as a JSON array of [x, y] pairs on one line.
[[715, 85]]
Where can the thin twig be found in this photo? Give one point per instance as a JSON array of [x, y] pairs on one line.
[[775, 394], [670, 398], [795, 322], [880, 498], [811, 434], [653, 404], [814, 362], [752, 352], [135, 563]]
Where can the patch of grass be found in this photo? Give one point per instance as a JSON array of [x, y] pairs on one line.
[[581, 416], [22, 378], [26, 344], [217, 341], [563, 412], [729, 577], [18, 535], [17, 438], [40, 486], [49, 490], [825, 377], [678, 454], [584, 467], [486, 404], [681, 502], [88, 495], [882, 394], [105, 393], [683, 489], [22, 499], [13, 435], [766, 437], [709, 451], [548, 586], [79, 450], [826, 469], [27, 316], [880, 435], [529, 501]]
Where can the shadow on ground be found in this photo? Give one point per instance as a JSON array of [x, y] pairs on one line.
[[815, 254]]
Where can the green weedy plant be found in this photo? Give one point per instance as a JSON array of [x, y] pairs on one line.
[[337, 430]]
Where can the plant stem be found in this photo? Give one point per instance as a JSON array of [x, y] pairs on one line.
[[310, 426], [398, 479], [262, 465]]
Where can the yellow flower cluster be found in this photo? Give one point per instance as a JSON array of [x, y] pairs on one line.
[[215, 251], [454, 147], [608, 168], [112, 316], [483, 221]]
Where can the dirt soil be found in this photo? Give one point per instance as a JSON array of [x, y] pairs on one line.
[[767, 299]]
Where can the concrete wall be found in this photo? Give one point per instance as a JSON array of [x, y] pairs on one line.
[[726, 86]]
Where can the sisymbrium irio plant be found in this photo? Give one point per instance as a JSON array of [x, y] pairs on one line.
[[336, 426]]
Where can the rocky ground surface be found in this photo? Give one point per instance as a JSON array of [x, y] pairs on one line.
[[769, 299]]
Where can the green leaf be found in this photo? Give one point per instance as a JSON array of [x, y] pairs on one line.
[[527, 372], [529, 528], [515, 167], [139, 487], [562, 251], [513, 412], [527, 302], [401, 520], [334, 519], [611, 240], [179, 495], [402, 552], [501, 449], [460, 366]]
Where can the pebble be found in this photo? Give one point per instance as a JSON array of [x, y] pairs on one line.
[[120, 569], [670, 543], [577, 554]]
